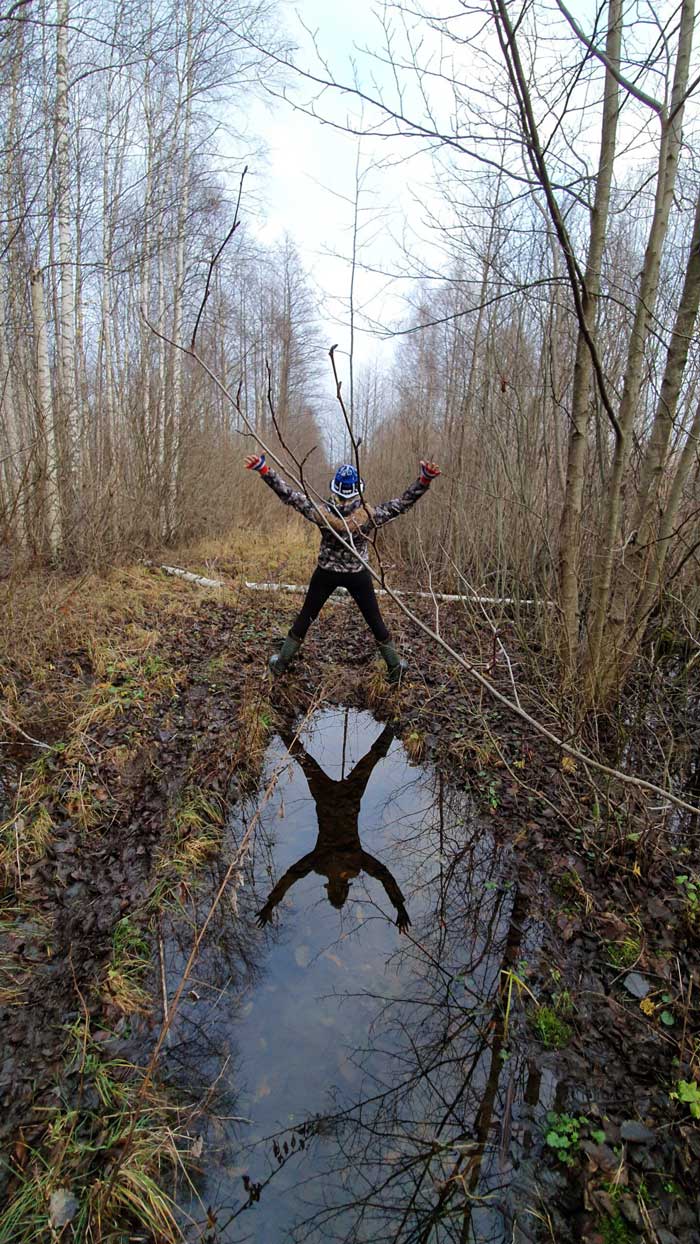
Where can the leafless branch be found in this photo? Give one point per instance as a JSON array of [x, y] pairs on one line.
[[213, 262], [511, 54]]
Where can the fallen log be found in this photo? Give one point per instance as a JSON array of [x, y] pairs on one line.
[[448, 596], [199, 579]]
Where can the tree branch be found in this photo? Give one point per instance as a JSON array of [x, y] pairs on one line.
[[217, 256], [627, 779]]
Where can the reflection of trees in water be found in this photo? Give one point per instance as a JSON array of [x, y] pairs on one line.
[[228, 966], [427, 1147], [422, 1154], [201, 1059]]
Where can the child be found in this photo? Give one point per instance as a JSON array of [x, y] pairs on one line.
[[338, 566]]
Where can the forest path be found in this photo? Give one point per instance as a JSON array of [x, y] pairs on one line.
[[159, 720]]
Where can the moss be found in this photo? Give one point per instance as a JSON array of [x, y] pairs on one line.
[[547, 1023], [614, 1230], [623, 954]]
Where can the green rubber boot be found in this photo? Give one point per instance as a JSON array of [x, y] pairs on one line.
[[395, 667], [279, 661]]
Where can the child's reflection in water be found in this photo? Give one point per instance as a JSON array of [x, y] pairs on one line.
[[338, 853]]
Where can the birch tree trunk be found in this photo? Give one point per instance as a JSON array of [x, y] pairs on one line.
[[47, 449], [65, 414], [570, 524], [106, 421], [639, 575], [671, 124], [173, 419], [656, 554], [12, 452], [15, 434]]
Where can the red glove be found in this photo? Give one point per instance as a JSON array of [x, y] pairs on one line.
[[428, 472], [256, 462]]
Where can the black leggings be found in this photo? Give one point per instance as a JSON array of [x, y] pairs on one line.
[[360, 586]]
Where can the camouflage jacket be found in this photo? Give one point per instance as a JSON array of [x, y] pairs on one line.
[[332, 555]]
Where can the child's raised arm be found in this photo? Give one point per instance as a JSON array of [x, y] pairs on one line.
[[287, 495], [398, 505]]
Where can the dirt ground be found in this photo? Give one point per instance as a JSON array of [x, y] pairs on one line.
[[154, 706]]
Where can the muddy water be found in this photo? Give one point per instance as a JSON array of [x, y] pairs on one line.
[[359, 1085]]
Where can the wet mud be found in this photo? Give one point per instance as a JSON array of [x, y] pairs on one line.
[[361, 1041]]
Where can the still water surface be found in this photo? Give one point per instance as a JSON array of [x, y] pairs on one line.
[[346, 1026]]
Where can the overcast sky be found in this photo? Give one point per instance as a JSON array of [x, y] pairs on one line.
[[309, 179]]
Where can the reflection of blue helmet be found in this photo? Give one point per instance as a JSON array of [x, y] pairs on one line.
[[346, 482]]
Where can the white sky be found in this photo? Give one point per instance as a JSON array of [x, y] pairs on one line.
[[309, 181]]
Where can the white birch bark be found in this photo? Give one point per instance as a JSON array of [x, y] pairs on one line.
[[570, 525], [11, 449], [66, 405], [639, 576], [671, 131], [15, 432], [45, 424], [173, 422]]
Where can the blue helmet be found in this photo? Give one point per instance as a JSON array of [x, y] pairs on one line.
[[346, 482]]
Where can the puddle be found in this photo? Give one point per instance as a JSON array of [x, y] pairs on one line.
[[357, 1081]]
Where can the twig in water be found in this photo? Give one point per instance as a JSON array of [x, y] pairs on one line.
[[163, 983]]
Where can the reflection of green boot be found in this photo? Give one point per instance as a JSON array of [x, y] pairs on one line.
[[394, 665], [279, 661]]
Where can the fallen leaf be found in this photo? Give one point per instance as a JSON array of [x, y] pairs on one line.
[[327, 954], [302, 955], [62, 1208]]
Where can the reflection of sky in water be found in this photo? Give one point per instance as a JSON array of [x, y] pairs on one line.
[[302, 1026], [329, 1008]]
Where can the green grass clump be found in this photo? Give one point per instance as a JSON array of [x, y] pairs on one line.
[[552, 1030], [197, 823], [688, 1093], [625, 953], [563, 1135], [689, 886], [614, 1230], [128, 968]]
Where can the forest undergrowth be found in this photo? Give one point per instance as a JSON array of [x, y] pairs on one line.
[[136, 710]]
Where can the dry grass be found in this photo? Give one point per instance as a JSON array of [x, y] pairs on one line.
[[197, 824], [71, 650], [414, 745], [13, 982], [288, 552], [47, 615], [116, 1162], [25, 834], [381, 695], [67, 637], [74, 656], [255, 721], [124, 984]]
